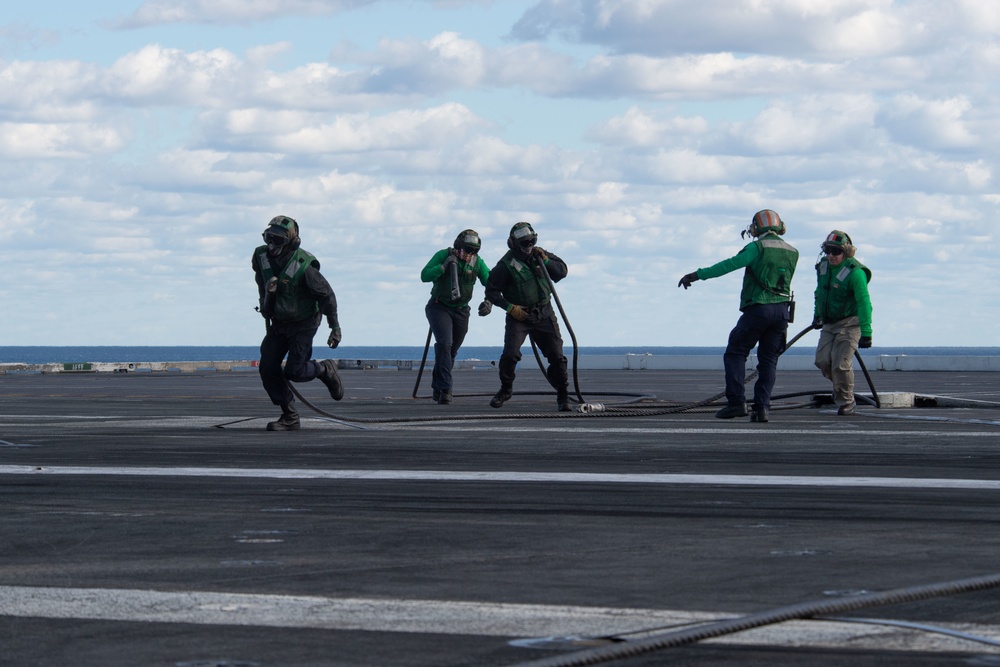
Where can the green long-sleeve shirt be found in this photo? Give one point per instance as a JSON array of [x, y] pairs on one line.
[[434, 272], [769, 264]]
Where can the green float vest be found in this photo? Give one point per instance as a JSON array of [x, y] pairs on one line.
[[528, 288], [768, 279], [291, 303], [834, 301]]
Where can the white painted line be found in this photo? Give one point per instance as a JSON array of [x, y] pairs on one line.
[[511, 476], [760, 431], [450, 617], [393, 615]]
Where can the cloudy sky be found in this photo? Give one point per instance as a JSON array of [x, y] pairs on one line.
[[145, 145]]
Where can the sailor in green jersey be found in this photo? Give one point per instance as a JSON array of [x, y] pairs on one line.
[[519, 285], [294, 297], [448, 309], [843, 309], [765, 302]]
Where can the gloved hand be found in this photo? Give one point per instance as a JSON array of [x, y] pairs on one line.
[[449, 260], [540, 253], [485, 308], [817, 322], [865, 342], [687, 280], [518, 313], [334, 339]]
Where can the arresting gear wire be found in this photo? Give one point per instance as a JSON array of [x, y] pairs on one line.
[[800, 611], [606, 410], [609, 410]]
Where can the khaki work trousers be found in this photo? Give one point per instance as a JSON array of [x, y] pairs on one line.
[[838, 341]]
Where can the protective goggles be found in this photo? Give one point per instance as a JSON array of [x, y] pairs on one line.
[[470, 241], [833, 250], [271, 238]]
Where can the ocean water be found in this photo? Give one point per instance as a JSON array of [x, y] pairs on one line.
[[113, 354]]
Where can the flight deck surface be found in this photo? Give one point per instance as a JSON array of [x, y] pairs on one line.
[[149, 519]]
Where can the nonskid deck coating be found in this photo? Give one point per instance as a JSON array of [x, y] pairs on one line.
[[486, 519]]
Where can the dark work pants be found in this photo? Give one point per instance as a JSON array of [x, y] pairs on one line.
[[763, 325], [298, 368], [449, 326], [544, 332]]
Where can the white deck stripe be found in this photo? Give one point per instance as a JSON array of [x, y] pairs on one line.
[[511, 476], [448, 617], [720, 430]]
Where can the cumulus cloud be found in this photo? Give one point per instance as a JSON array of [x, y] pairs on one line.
[[57, 140], [400, 130], [936, 124], [157, 12], [811, 124], [839, 28], [653, 139], [637, 127]]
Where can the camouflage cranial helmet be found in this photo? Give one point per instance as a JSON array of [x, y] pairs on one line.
[[766, 221], [282, 231], [522, 237], [839, 239], [469, 241]]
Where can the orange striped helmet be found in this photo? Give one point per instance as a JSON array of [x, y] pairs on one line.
[[766, 221]]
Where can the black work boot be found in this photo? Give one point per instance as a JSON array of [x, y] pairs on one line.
[[289, 420], [730, 411], [758, 414], [331, 379], [444, 398], [562, 401], [500, 398]]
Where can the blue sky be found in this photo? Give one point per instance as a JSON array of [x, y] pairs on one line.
[[145, 146]]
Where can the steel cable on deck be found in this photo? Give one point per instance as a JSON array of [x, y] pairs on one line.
[[801, 611], [610, 410]]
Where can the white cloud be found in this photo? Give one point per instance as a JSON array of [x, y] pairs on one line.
[[936, 124], [49, 91], [833, 28], [62, 140], [637, 127], [853, 114], [231, 11], [811, 124], [171, 76]]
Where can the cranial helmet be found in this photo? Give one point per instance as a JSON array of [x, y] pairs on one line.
[[522, 237], [839, 239], [469, 241], [766, 221], [282, 233]]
